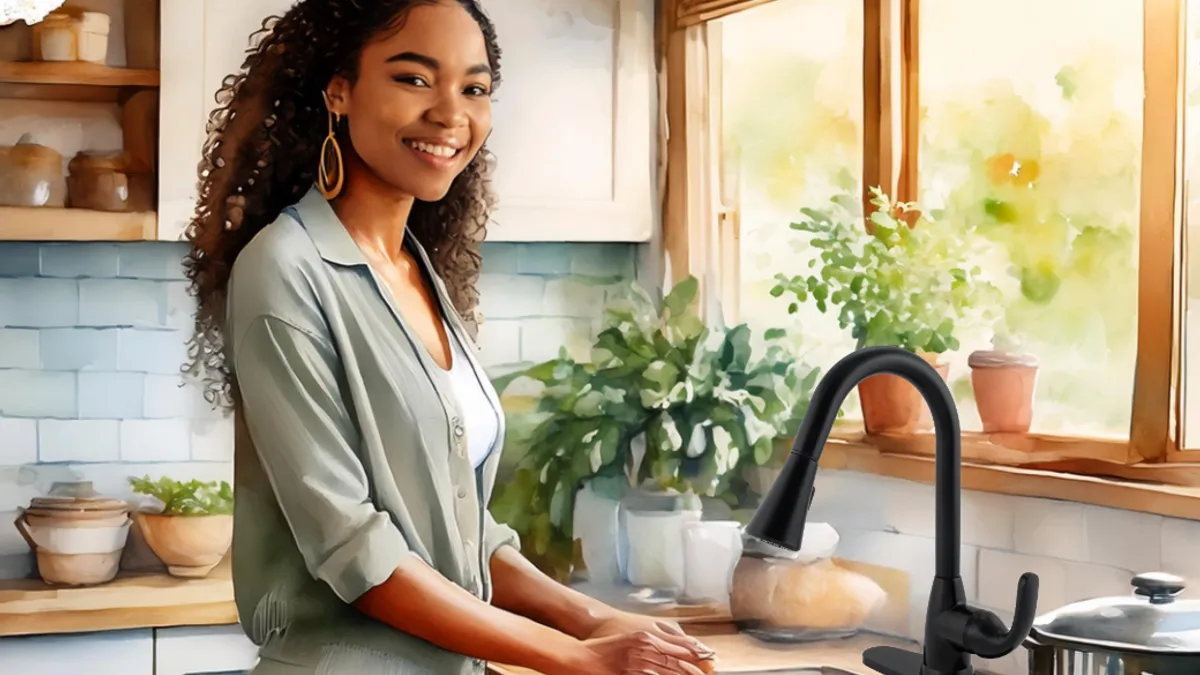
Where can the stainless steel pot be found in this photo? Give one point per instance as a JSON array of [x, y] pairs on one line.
[[1149, 632]]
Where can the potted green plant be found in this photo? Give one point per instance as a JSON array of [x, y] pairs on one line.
[[1004, 379], [895, 280], [193, 530], [663, 413]]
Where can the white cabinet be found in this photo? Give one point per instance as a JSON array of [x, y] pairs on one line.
[[574, 119], [129, 652], [202, 650]]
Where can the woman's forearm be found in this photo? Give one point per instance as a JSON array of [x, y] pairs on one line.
[[523, 589], [418, 600]]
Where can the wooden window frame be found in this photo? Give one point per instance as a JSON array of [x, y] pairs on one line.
[[701, 229]]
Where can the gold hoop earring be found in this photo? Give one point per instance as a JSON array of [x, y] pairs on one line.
[[324, 173]]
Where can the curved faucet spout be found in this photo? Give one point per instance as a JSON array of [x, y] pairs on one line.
[[953, 629], [781, 516]]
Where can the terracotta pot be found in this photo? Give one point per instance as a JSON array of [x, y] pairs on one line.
[[190, 546], [891, 405], [1004, 385]]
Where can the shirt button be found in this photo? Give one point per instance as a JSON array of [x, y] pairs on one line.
[[458, 430], [462, 493]]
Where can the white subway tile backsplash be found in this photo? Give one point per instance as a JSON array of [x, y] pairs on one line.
[[988, 520], [499, 342], [1125, 539], [1085, 581], [20, 259], [38, 303], [80, 260], [20, 348], [18, 441], [120, 303], [514, 297], [111, 395], [1181, 549], [78, 441], [1044, 527], [542, 339], [78, 349], [37, 393], [212, 440], [155, 440], [999, 572], [181, 306], [573, 297], [152, 260], [163, 352]]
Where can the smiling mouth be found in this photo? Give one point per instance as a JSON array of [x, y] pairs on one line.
[[434, 149]]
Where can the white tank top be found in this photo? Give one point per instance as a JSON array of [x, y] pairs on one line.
[[482, 421]]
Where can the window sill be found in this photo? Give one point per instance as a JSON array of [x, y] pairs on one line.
[[1148, 492]]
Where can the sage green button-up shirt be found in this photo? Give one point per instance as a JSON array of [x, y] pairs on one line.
[[351, 453]]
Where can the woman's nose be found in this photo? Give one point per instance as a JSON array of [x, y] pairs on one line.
[[448, 111]]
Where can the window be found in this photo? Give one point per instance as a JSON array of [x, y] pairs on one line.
[[1046, 166]]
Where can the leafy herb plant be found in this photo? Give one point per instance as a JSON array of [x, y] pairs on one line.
[[902, 283], [664, 401], [192, 498]]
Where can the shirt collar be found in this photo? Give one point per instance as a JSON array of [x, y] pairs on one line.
[[328, 234]]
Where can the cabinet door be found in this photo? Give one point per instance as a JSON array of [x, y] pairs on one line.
[[202, 42], [127, 652], [202, 650], [574, 120]]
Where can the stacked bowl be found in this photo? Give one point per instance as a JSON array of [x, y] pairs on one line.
[[76, 535]]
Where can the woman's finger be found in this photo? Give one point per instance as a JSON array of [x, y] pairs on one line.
[[681, 646], [662, 664], [672, 634]]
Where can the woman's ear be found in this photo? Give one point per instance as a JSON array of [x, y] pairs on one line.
[[337, 96]]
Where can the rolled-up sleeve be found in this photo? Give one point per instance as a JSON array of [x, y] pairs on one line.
[[496, 534], [308, 446]]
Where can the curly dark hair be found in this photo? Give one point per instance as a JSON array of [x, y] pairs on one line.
[[263, 149]]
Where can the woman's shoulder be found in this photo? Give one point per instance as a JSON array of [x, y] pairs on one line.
[[273, 275]]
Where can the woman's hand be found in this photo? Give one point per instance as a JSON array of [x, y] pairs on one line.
[[638, 653], [622, 623]]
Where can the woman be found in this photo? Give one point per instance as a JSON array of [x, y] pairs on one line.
[[368, 437]]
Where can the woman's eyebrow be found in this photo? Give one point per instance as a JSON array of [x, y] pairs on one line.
[[432, 63]]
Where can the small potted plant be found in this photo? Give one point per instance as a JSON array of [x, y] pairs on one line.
[[895, 280], [658, 420], [1004, 379], [193, 530]]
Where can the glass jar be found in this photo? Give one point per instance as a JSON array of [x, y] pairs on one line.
[[800, 596], [31, 175], [71, 34]]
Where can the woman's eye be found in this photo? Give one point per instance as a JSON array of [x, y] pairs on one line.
[[413, 80], [477, 90]]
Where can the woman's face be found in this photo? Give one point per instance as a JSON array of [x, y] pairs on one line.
[[420, 108]]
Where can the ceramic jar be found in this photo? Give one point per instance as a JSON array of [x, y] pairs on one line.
[[72, 35], [31, 175], [76, 535]]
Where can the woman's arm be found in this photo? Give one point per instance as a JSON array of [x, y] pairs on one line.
[[418, 600], [520, 587], [305, 438]]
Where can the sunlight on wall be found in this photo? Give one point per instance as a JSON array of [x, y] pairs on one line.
[[792, 79], [1030, 145]]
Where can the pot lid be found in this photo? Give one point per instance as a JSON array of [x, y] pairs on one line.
[[1151, 620], [76, 496]]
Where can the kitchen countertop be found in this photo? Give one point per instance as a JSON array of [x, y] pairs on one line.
[[740, 653]]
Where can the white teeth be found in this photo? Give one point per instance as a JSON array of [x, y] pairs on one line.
[[444, 151]]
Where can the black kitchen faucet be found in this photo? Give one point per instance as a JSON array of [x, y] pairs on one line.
[[954, 630]]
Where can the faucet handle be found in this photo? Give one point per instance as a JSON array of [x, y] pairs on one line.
[[982, 633], [893, 661]]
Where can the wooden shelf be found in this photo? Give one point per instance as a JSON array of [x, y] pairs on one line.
[[72, 81], [76, 73], [46, 224], [132, 600]]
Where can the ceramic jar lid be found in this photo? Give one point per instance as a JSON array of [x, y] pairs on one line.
[[75, 500]]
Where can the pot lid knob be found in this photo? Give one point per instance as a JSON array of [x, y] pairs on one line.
[[1159, 587]]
